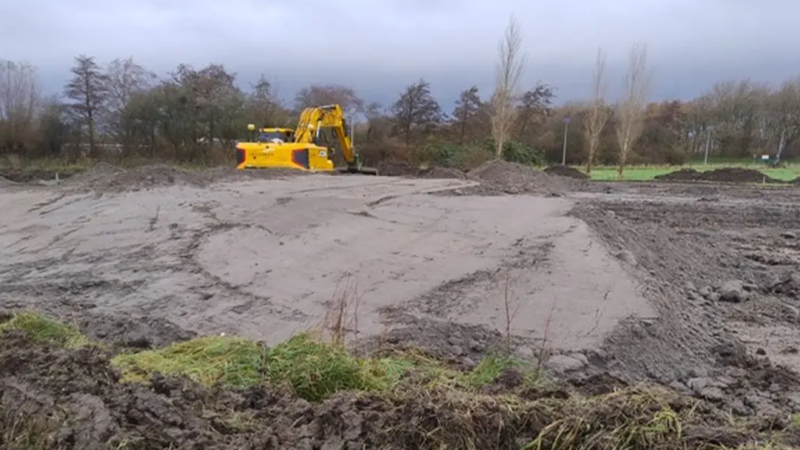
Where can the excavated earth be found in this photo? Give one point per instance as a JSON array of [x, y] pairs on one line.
[[691, 286]]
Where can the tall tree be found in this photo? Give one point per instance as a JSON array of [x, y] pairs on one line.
[[88, 89], [632, 106], [125, 80], [319, 94], [467, 108], [534, 107], [598, 112], [19, 100], [416, 109], [264, 106], [508, 72]]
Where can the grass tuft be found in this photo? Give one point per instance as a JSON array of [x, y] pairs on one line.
[[207, 360], [315, 369], [45, 330]]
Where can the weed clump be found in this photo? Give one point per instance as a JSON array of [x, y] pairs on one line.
[[44, 330], [207, 360]]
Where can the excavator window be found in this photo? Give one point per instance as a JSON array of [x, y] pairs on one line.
[[268, 136]]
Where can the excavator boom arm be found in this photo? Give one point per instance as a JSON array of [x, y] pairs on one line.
[[329, 116]]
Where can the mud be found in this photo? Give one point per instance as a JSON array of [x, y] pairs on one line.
[[719, 275], [566, 171], [724, 175], [106, 178], [32, 176], [443, 172], [693, 286], [53, 398]]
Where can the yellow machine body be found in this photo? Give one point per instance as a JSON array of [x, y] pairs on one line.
[[299, 148]]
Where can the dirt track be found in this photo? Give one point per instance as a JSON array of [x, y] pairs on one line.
[[693, 286]]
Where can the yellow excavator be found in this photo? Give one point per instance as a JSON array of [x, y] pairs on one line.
[[284, 148]]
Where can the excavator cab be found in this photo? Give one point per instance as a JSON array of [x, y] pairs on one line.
[[274, 135]]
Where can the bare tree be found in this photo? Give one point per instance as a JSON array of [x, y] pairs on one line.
[[88, 89], [508, 73], [598, 112], [318, 95], [125, 80], [632, 106], [19, 100]]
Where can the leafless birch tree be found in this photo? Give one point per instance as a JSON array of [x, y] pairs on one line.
[[509, 71], [599, 112], [631, 108], [19, 99]]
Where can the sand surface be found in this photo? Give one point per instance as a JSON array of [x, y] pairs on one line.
[[261, 258]]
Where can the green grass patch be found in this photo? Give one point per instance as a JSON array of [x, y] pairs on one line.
[[315, 369], [648, 173], [42, 329], [207, 360]]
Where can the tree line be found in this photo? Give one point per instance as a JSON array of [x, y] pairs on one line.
[[123, 110]]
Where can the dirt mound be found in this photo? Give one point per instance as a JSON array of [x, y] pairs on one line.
[[724, 175], [5, 182], [566, 171], [513, 178], [443, 173], [34, 176], [396, 169], [53, 398]]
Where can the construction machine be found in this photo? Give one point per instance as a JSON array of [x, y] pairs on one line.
[[300, 148]]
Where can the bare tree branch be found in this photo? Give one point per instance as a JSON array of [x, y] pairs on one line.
[[631, 108], [509, 71], [599, 112]]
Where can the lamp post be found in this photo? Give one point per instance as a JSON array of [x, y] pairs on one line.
[[564, 149]]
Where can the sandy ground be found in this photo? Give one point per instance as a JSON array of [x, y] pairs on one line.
[[261, 258]]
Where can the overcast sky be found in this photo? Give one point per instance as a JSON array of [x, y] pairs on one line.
[[380, 46]]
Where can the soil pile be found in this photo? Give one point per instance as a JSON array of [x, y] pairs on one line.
[[105, 177], [724, 175], [56, 398], [566, 171], [512, 178], [396, 169], [33, 176], [443, 173], [5, 182]]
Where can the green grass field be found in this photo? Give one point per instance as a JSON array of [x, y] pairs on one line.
[[647, 173]]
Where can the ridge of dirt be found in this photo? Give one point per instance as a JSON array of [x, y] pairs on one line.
[[724, 175], [443, 173], [566, 171], [107, 178], [52, 398], [499, 177], [21, 176]]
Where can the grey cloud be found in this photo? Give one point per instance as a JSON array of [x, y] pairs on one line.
[[378, 47]]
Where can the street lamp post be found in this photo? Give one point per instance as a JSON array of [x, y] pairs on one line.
[[564, 149]]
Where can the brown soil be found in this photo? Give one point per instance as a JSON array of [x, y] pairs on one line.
[[504, 177], [725, 175], [566, 171], [105, 177], [720, 275], [396, 169], [443, 173], [53, 398], [32, 176]]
